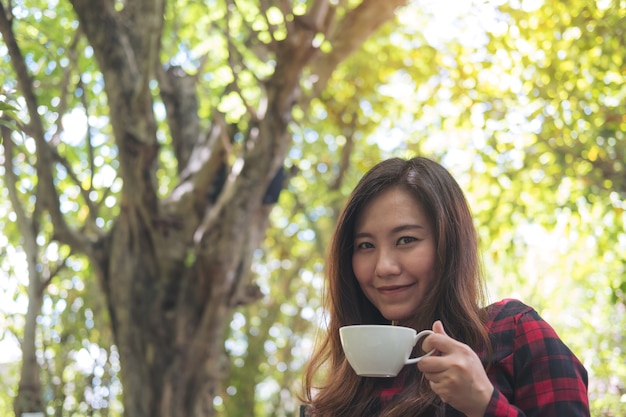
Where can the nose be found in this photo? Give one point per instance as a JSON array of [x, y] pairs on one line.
[[387, 264]]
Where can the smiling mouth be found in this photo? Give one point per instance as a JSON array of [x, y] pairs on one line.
[[393, 288]]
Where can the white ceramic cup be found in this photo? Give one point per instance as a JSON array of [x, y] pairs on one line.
[[380, 350]]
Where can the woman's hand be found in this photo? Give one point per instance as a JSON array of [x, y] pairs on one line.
[[457, 376]]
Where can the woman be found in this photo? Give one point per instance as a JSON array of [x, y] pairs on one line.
[[405, 252]]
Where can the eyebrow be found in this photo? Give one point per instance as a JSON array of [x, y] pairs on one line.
[[395, 230]]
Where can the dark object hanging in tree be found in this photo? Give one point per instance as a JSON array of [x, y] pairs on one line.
[[276, 185]]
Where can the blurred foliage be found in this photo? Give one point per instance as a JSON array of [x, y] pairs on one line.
[[525, 102]]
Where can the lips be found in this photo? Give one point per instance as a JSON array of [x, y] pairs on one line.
[[392, 289]]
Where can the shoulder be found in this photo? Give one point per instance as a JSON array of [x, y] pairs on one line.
[[507, 313], [507, 307], [512, 321], [530, 365], [516, 326]]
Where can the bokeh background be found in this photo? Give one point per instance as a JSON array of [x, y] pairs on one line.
[[523, 101]]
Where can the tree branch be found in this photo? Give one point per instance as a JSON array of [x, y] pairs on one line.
[[29, 390], [24, 222], [232, 54], [47, 197], [357, 25], [178, 93]]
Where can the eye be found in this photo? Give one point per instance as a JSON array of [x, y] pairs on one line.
[[363, 245], [405, 240]]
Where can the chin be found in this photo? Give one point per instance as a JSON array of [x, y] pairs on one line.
[[397, 317]]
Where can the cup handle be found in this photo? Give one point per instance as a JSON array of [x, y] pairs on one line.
[[418, 336]]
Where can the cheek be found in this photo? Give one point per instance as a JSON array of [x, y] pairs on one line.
[[359, 269], [428, 268], [423, 259]]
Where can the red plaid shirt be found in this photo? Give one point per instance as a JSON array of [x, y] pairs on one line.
[[533, 372]]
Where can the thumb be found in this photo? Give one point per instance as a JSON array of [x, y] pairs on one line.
[[438, 327]]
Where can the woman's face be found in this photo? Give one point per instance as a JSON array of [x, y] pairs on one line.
[[394, 253]]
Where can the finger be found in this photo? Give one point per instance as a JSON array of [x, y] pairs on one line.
[[434, 369], [440, 341], [439, 388], [438, 327], [435, 379], [432, 365]]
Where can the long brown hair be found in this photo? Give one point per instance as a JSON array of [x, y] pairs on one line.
[[456, 298]]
